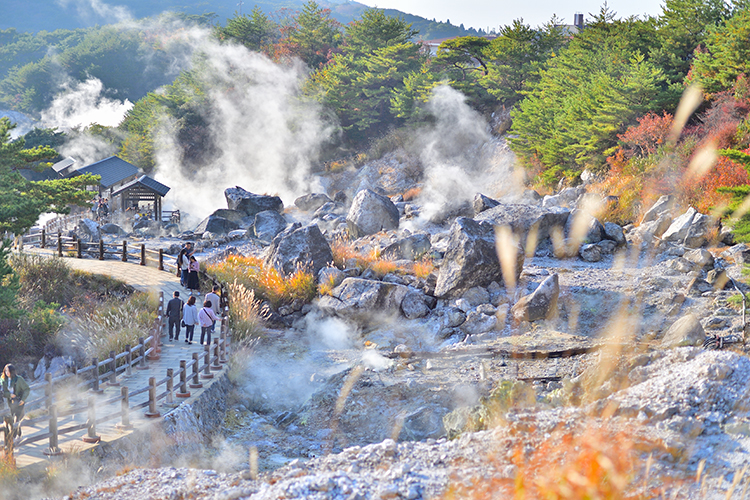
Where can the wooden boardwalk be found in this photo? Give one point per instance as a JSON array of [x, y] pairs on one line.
[[145, 279]]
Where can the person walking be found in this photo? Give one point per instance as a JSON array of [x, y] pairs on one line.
[[193, 283], [206, 318], [183, 260], [190, 318], [213, 297], [15, 391], [174, 313]]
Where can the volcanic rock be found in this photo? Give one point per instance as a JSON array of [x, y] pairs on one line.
[[216, 225], [371, 213], [299, 246], [359, 298], [615, 233], [249, 203], [663, 206], [110, 228], [268, 224], [482, 203], [690, 229], [685, 331], [311, 202], [540, 304], [471, 258], [88, 230], [524, 219], [413, 247]]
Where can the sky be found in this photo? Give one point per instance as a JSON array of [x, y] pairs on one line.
[[493, 14]]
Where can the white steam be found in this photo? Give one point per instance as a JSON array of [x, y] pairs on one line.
[[332, 333], [265, 135], [98, 12], [459, 155], [82, 103]]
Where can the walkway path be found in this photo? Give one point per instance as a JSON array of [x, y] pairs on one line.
[[144, 279]]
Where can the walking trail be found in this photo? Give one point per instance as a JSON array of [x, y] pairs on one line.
[[145, 279]]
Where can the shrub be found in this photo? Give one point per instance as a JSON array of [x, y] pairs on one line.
[[244, 317], [266, 282]]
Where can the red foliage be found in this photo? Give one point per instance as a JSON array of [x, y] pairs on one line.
[[645, 138], [702, 193], [719, 122]]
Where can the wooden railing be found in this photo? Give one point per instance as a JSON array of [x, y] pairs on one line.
[[87, 381]]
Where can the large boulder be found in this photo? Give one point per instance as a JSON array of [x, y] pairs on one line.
[[371, 213], [233, 215], [216, 225], [88, 230], [685, 331], [524, 219], [111, 228], [249, 203], [582, 227], [738, 254], [361, 299], [299, 246], [471, 258], [615, 233], [311, 202], [540, 304], [413, 247], [268, 224], [414, 305], [690, 229]]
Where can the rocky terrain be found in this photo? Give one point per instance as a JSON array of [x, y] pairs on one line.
[[540, 329]]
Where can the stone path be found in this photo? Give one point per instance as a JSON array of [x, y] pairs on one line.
[[145, 279]]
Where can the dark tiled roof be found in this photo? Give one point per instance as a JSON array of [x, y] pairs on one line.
[[32, 175], [112, 170], [147, 182]]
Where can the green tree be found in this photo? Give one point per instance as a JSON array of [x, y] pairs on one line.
[[594, 89], [22, 201], [316, 34], [254, 30], [375, 30], [726, 55]]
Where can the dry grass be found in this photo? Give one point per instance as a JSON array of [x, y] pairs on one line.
[[345, 255], [244, 314], [266, 282]]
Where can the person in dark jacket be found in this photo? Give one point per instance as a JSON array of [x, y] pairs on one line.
[[15, 391], [174, 314]]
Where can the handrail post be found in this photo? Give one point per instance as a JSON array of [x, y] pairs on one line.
[[152, 413], [144, 358], [101, 249], [128, 361], [196, 383], [113, 378], [54, 448], [59, 244], [143, 254], [90, 436], [44, 237], [124, 250], [95, 389], [161, 259], [183, 393], [48, 390], [223, 345], [79, 249], [170, 386], [215, 365], [125, 409], [207, 362]]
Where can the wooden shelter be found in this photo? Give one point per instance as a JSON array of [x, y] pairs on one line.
[[143, 189]]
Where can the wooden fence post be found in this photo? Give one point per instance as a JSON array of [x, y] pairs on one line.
[[207, 363], [183, 393], [79, 249], [170, 386], [124, 250], [44, 238], [144, 358], [48, 390], [161, 259], [90, 436], [143, 254], [128, 360], [59, 244], [125, 409], [95, 389], [54, 448], [223, 344], [196, 383], [113, 365], [215, 365], [101, 249], [152, 413]]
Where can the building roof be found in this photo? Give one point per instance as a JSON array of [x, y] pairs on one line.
[[146, 182], [63, 164], [112, 170]]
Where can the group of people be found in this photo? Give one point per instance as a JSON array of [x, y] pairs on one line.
[[188, 268], [100, 208], [180, 314]]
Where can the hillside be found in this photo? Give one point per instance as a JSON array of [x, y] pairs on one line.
[[50, 15]]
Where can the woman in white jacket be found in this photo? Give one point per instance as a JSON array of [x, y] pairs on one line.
[[206, 318], [190, 317]]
